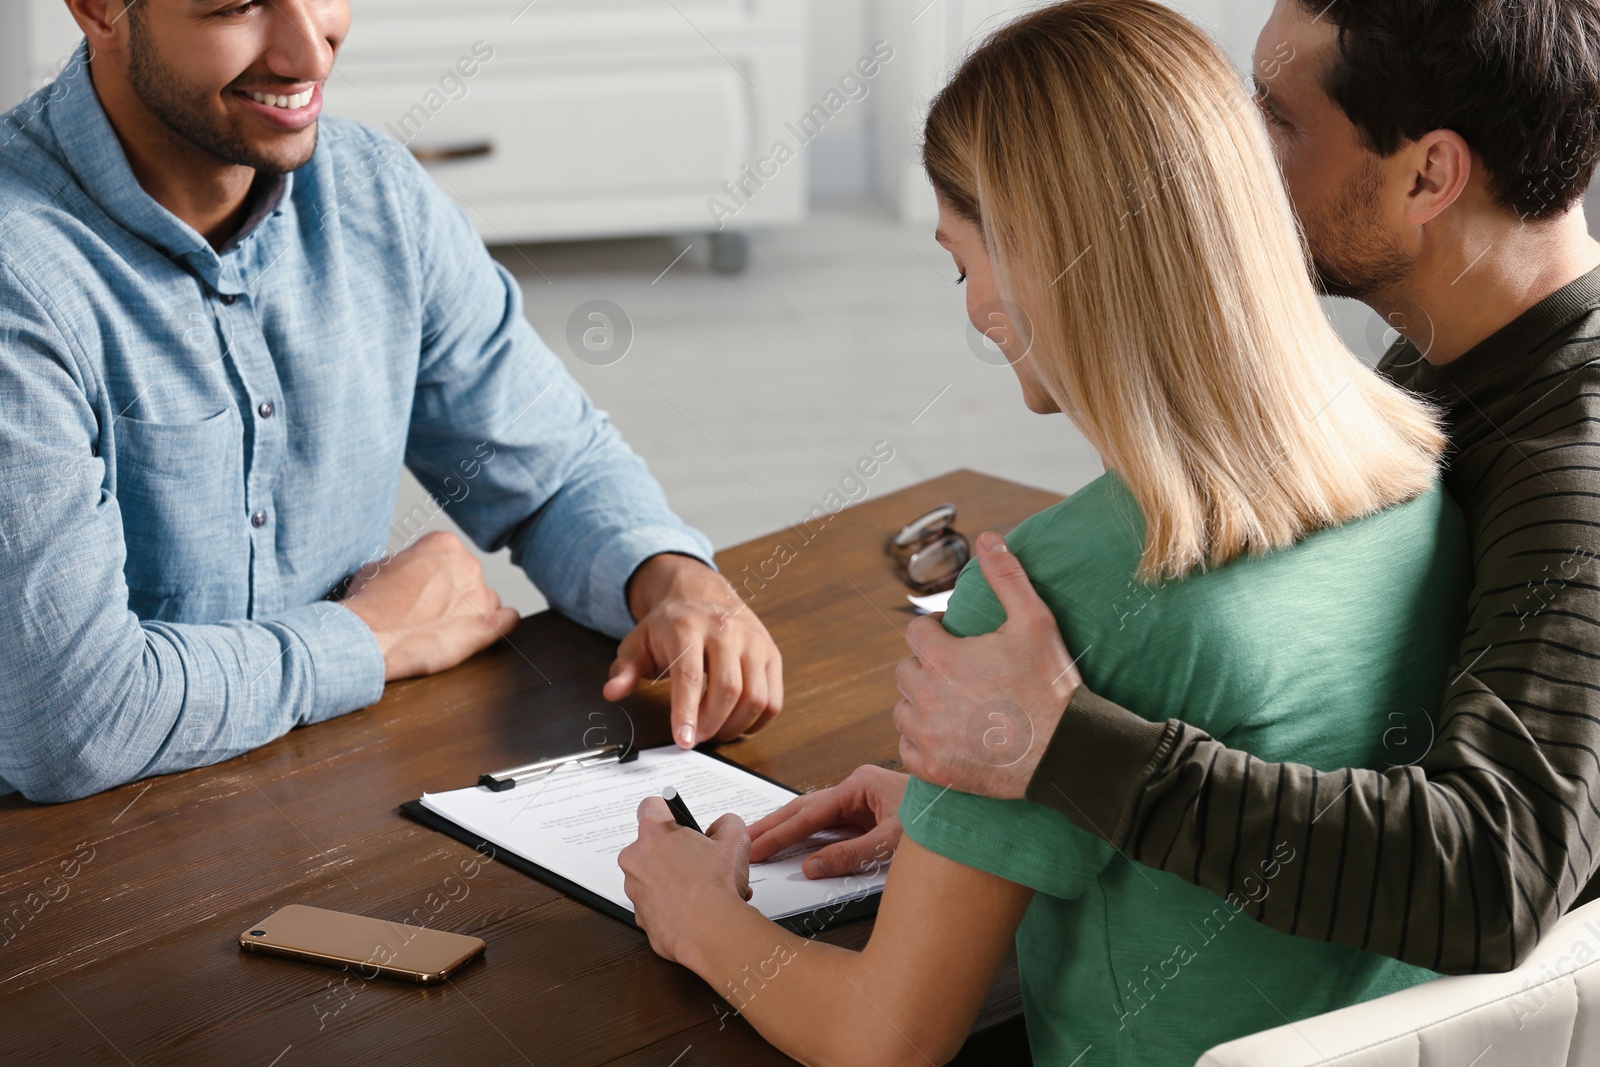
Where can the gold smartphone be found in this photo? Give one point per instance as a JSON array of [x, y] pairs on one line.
[[368, 947]]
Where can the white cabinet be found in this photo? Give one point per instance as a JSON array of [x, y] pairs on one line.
[[555, 118], [585, 118]]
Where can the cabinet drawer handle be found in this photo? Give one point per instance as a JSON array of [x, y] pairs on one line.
[[445, 155]]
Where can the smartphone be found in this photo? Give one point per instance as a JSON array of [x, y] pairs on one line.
[[368, 947]]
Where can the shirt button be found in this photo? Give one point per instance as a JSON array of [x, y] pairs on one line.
[[227, 298], [259, 519], [265, 410]]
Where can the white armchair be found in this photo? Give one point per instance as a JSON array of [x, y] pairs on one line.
[[1545, 1013]]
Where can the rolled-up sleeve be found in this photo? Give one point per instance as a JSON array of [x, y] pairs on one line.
[[1017, 840], [511, 446]]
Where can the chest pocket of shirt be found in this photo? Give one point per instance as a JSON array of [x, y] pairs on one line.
[[180, 488]]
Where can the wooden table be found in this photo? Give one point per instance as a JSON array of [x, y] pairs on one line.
[[120, 913]]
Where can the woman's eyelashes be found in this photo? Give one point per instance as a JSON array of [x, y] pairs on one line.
[[961, 280]]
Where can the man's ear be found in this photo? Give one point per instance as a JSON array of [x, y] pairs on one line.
[[1440, 165], [103, 22]]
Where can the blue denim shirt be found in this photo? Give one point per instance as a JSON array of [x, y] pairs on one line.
[[198, 446]]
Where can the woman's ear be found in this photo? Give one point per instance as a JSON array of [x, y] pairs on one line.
[[1439, 166]]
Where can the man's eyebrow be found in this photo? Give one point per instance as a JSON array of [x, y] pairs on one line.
[[1263, 96]]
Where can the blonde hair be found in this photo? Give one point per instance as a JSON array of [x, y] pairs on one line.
[[1130, 204]]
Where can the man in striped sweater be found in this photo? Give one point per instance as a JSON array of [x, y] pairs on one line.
[[1437, 154]]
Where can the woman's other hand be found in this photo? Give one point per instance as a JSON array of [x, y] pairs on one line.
[[867, 802]]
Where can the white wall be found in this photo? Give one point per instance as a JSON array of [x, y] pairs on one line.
[[841, 33], [13, 53], [844, 30]]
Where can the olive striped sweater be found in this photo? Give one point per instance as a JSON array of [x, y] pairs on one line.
[[1483, 834]]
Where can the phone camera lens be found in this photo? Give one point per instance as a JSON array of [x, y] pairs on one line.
[[257, 933]]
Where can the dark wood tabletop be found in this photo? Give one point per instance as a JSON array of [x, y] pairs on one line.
[[120, 913]]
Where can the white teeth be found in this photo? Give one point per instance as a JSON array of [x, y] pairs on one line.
[[291, 103]]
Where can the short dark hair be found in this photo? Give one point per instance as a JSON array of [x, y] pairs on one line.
[[1519, 80]]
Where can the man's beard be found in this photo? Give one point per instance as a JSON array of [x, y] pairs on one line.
[[181, 108], [1351, 255]]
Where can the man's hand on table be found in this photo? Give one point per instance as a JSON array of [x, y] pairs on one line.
[[428, 607], [979, 711], [727, 675]]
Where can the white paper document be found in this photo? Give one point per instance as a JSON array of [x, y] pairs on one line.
[[574, 821]]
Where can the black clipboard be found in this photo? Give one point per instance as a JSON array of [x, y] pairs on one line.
[[806, 924]]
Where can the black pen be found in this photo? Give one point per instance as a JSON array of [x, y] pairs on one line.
[[680, 810]]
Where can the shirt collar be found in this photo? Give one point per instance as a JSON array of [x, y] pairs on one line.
[[97, 161], [265, 196]]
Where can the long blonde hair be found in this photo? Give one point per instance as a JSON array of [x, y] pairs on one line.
[[1131, 206]]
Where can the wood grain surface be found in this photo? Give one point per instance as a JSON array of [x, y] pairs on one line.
[[120, 913]]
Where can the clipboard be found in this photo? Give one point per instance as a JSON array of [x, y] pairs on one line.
[[805, 924]]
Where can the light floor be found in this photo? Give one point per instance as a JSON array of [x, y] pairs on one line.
[[751, 395]]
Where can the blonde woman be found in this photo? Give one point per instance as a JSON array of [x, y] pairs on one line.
[[1271, 520]]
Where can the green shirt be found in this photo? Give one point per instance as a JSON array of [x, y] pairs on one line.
[[1317, 654], [1519, 722]]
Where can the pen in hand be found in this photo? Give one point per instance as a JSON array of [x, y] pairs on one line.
[[680, 810]]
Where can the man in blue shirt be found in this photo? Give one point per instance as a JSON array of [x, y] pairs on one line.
[[224, 327]]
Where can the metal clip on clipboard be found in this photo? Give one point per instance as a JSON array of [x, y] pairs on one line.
[[500, 781]]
